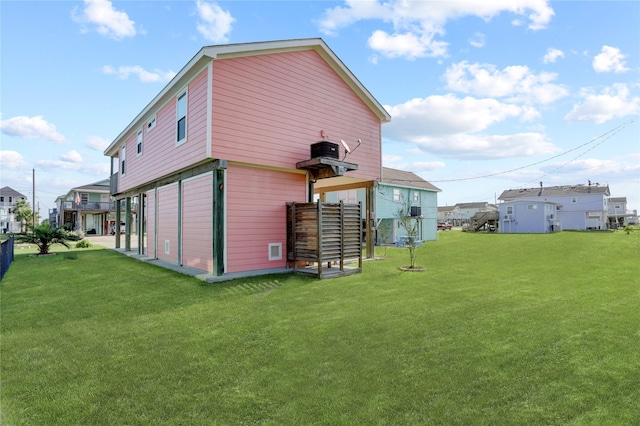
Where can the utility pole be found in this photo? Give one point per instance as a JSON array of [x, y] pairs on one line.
[[33, 208]]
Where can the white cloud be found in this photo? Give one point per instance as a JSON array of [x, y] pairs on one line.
[[97, 143], [108, 21], [398, 162], [12, 160], [478, 40], [610, 59], [614, 101], [480, 146], [72, 156], [552, 55], [416, 24], [31, 128], [215, 23], [55, 166], [447, 115], [516, 83], [145, 76]]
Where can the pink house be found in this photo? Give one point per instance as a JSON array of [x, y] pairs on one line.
[[216, 155]]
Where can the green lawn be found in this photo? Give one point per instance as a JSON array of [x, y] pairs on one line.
[[500, 329]]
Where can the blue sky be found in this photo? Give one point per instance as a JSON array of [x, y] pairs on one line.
[[484, 95]]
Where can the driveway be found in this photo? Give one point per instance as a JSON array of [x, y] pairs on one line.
[[109, 241]]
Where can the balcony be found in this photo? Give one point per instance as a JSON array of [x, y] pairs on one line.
[[107, 206]]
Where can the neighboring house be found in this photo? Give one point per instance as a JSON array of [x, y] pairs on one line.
[[8, 199], [528, 217], [618, 214], [217, 154], [446, 215], [398, 190], [578, 207], [87, 208], [463, 212]]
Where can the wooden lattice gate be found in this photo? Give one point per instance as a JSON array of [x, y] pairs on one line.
[[319, 233]]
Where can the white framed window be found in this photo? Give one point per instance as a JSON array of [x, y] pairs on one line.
[[510, 210], [532, 206], [139, 143], [416, 196], [275, 251], [123, 158], [151, 123], [574, 199], [396, 194], [181, 118]]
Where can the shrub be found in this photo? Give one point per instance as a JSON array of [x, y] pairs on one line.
[[75, 235], [44, 236], [83, 244]]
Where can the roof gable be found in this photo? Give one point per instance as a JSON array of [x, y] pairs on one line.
[[7, 191], [400, 177], [220, 52]]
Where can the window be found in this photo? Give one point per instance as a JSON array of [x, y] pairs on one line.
[[139, 142], [416, 196], [1, 199], [574, 200], [510, 210], [122, 159], [84, 199], [396, 194], [532, 206], [151, 124], [181, 117]]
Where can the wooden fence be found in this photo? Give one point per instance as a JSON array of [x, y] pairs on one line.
[[324, 232]]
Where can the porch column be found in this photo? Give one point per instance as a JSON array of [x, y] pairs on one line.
[[370, 222], [117, 224], [141, 219], [127, 224]]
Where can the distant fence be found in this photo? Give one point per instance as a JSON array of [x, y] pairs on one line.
[[6, 252]]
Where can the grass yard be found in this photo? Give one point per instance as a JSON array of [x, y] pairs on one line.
[[500, 329]]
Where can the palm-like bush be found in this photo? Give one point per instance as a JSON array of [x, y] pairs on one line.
[[44, 236]]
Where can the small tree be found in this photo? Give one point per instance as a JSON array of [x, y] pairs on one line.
[[44, 236], [411, 224], [23, 213], [384, 230]]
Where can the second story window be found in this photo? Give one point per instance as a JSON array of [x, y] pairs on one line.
[[84, 199], [181, 117], [122, 159], [416, 196], [139, 142], [396, 195]]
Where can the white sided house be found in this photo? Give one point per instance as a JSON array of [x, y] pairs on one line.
[[578, 207], [528, 217]]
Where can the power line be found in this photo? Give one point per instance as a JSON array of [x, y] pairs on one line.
[[605, 136]]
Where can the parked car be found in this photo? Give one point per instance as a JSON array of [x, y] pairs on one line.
[[112, 229], [444, 226]]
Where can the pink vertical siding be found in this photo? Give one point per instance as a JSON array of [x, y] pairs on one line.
[[151, 224], [160, 155], [197, 225], [168, 222], [256, 214], [269, 109]]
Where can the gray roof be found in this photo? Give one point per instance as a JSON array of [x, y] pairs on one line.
[[618, 199], [10, 192], [476, 205], [446, 208], [554, 191], [102, 185], [400, 177]]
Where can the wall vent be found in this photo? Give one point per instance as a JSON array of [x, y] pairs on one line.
[[167, 246], [275, 251]]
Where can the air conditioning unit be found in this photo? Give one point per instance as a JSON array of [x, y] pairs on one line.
[[325, 149], [416, 211]]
